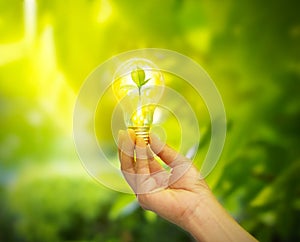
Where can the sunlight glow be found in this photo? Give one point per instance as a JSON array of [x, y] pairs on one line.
[[11, 52], [14, 51], [54, 93], [105, 11], [30, 21]]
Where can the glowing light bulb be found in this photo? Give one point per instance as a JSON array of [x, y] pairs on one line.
[[138, 86]]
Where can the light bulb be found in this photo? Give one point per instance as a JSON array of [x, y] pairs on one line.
[[138, 86]]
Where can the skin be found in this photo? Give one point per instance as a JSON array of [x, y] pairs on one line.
[[182, 196]]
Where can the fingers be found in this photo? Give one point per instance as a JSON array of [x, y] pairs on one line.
[[166, 153], [140, 169], [142, 165], [154, 166], [126, 150], [180, 165], [145, 161]]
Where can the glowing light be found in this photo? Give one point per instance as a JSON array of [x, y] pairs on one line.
[[138, 87], [55, 95], [105, 11], [11, 52], [14, 51], [30, 21]]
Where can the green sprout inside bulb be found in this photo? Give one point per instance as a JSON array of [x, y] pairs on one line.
[[138, 87]]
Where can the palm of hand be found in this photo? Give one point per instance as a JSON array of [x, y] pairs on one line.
[[179, 200]]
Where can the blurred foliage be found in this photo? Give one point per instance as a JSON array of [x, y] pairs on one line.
[[47, 48]]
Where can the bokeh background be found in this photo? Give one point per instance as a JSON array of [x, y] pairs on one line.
[[251, 49]]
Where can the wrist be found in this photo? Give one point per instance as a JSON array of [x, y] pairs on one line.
[[210, 222], [197, 223]]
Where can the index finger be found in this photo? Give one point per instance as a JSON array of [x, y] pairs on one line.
[[142, 164], [168, 155]]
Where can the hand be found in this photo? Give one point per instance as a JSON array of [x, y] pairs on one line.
[[182, 196], [173, 196]]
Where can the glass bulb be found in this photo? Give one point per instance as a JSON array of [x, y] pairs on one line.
[[138, 86]]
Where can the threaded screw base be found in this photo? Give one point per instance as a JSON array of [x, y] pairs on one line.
[[141, 131]]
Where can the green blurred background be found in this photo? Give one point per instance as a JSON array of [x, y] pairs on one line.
[[251, 49]]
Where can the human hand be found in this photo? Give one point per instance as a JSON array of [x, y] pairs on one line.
[[175, 195], [181, 196]]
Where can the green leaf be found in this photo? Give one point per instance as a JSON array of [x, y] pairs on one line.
[[145, 81], [138, 76]]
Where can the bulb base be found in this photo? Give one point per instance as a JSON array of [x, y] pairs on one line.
[[141, 131]]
